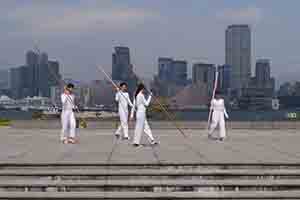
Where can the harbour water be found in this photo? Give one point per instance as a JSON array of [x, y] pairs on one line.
[[196, 115]]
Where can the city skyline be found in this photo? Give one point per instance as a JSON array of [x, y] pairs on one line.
[[192, 31]]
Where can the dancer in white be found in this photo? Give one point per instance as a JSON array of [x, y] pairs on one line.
[[122, 97], [140, 103], [219, 110], [67, 115]]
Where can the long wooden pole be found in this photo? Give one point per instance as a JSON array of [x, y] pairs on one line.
[[213, 96]]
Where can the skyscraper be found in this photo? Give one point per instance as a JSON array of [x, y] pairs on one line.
[[204, 74], [164, 68], [179, 72], [262, 72], [122, 69], [121, 63], [224, 77], [238, 55]]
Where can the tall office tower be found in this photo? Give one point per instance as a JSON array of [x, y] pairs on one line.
[[179, 72], [164, 68], [262, 72], [204, 74], [122, 69], [121, 66], [238, 55], [224, 77]]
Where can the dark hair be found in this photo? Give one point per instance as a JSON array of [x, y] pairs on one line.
[[218, 92], [140, 87], [122, 84], [70, 85]]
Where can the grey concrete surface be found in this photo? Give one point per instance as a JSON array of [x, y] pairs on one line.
[[95, 146]]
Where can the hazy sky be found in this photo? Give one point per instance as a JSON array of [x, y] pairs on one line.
[[80, 34]]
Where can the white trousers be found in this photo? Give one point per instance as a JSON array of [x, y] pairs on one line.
[[68, 124], [218, 119], [140, 127], [124, 124]]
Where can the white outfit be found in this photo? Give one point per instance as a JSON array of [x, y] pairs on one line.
[[219, 110], [140, 103], [67, 117], [123, 99]]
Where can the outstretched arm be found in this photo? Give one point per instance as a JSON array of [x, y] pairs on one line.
[[225, 112], [147, 102], [129, 101], [132, 109], [117, 97]]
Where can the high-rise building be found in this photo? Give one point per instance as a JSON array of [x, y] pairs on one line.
[[238, 55], [121, 65], [122, 69], [179, 72], [204, 74], [262, 72], [4, 79], [36, 77], [32, 62], [164, 68], [224, 77], [15, 82]]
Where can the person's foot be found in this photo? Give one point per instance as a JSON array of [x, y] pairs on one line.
[[211, 137], [222, 139], [72, 141], [153, 142], [63, 139], [125, 138], [117, 136], [135, 145]]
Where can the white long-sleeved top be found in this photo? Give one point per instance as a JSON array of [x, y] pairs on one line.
[[140, 103], [67, 101], [123, 99], [218, 105]]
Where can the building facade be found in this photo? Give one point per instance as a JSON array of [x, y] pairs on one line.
[[204, 74], [238, 55]]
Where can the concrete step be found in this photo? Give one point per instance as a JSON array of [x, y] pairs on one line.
[[141, 165], [152, 195], [150, 185], [152, 173]]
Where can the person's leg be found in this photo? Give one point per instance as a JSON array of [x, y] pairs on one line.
[[72, 127], [124, 124], [64, 124], [118, 131], [139, 127], [214, 123], [148, 131], [222, 127]]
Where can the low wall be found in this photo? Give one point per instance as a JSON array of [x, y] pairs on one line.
[[55, 124]]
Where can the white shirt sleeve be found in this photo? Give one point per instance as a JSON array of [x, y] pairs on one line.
[[133, 108], [225, 112], [117, 97], [63, 99], [147, 102], [129, 101]]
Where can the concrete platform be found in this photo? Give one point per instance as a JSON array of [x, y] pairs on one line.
[[99, 146]]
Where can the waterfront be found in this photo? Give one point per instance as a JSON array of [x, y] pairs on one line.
[[197, 115]]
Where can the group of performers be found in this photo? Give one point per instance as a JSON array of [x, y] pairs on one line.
[[138, 111]]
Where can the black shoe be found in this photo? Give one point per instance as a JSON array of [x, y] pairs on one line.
[[125, 138], [117, 136], [153, 142], [221, 139], [136, 145]]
